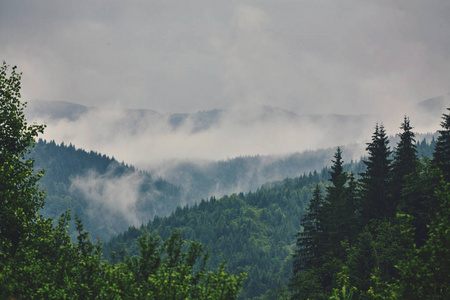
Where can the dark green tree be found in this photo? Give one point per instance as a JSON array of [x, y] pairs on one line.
[[308, 249], [336, 213], [425, 272], [441, 156], [352, 209], [405, 161], [307, 281], [320, 253], [375, 196]]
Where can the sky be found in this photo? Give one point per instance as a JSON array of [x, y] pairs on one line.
[[172, 56], [183, 56]]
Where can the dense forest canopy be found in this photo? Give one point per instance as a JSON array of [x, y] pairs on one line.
[[110, 196]]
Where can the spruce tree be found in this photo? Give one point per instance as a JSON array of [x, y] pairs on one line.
[[405, 161], [335, 215], [308, 249], [352, 208], [375, 198], [441, 156]]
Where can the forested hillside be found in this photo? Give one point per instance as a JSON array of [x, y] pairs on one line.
[[248, 173], [110, 196], [254, 232], [107, 195], [203, 179]]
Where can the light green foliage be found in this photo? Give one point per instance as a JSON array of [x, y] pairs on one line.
[[19, 198], [167, 272]]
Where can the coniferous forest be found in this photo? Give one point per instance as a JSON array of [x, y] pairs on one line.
[[374, 229]]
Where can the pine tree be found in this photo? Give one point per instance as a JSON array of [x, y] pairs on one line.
[[441, 156], [375, 198]]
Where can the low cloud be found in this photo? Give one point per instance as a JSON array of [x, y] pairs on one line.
[[110, 199], [147, 138]]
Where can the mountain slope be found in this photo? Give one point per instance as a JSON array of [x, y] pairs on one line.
[[253, 232], [109, 196]]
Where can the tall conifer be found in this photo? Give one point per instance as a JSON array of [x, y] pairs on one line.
[[308, 248], [335, 218], [405, 160], [375, 198]]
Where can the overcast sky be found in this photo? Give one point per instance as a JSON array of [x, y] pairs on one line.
[[344, 57]]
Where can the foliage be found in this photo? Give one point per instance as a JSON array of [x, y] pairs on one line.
[[167, 272], [425, 272], [18, 192]]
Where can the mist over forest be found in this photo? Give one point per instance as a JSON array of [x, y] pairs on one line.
[[151, 140], [154, 185], [206, 154], [225, 149]]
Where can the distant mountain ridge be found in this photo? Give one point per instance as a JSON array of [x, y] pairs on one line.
[[51, 111], [54, 111]]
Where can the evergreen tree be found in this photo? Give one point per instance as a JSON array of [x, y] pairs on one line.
[[441, 156], [336, 214], [352, 208], [425, 272], [308, 250], [405, 160], [375, 198]]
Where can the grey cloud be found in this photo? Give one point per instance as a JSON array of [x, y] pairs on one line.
[[174, 56], [146, 137], [115, 197]]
